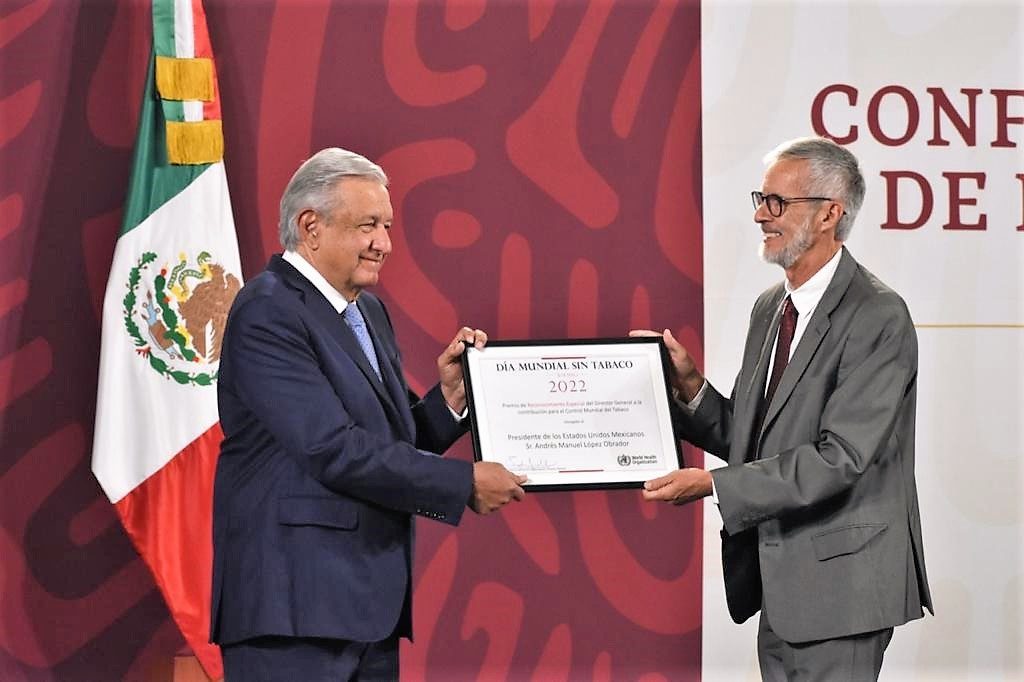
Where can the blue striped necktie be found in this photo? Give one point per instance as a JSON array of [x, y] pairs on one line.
[[354, 319]]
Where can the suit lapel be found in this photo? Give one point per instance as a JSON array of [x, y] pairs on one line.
[[759, 380], [813, 335], [325, 313], [390, 374], [805, 350], [750, 407]]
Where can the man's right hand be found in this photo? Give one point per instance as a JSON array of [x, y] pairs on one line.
[[685, 376], [494, 486]]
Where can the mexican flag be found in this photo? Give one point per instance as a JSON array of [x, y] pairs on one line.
[[175, 273]]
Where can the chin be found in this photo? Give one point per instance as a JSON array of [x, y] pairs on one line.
[[367, 282], [767, 254]]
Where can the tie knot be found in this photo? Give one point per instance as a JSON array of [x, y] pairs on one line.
[[789, 313]]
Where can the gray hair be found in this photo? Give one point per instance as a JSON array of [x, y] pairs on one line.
[[834, 173], [310, 187]]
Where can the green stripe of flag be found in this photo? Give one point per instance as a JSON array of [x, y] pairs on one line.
[[173, 109], [163, 28], [153, 181]]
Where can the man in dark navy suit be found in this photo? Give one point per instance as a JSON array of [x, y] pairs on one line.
[[327, 455]]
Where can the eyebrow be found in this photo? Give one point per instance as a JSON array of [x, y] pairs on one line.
[[374, 218]]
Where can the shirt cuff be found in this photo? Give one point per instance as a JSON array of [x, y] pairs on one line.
[[691, 406]]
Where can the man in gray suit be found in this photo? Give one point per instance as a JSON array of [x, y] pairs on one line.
[[819, 503]]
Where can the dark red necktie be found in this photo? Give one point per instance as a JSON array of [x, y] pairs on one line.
[[786, 329]]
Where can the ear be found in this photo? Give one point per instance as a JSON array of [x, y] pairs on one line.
[[831, 213], [308, 223]]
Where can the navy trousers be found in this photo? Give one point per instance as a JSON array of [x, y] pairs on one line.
[[290, 659]]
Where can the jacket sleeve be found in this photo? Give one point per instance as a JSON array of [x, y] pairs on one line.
[[710, 426], [436, 427]]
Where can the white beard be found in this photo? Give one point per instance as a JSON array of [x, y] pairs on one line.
[[798, 246]]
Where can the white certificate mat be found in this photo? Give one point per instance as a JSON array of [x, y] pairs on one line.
[[573, 414]]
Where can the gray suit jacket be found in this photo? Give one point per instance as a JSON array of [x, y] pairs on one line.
[[819, 503]]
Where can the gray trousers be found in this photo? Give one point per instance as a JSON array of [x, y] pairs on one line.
[[857, 658]]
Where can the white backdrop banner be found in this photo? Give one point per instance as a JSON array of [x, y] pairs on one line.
[[930, 97]]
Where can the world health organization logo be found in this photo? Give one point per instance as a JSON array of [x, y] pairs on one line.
[[624, 460], [178, 324]]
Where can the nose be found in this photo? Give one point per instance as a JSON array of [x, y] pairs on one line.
[[381, 240], [762, 214]]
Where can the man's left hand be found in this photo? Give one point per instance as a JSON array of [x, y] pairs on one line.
[[449, 365], [679, 487]]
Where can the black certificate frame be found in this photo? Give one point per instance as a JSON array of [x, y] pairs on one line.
[[588, 347]]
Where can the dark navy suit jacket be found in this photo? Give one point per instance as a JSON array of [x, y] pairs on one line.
[[320, 470]]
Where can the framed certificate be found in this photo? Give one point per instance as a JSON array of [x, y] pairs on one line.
[[573, 414]]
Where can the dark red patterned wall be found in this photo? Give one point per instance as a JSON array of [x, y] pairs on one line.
[[545, 165]]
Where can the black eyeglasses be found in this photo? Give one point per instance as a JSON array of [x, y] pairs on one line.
[[777, 204]]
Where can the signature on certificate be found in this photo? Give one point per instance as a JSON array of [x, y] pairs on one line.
[[518, 463]]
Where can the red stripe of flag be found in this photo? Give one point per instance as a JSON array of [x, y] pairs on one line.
[[169, 518]]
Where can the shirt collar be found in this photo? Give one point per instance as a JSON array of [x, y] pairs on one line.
[[306, 269], [807, 295]]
